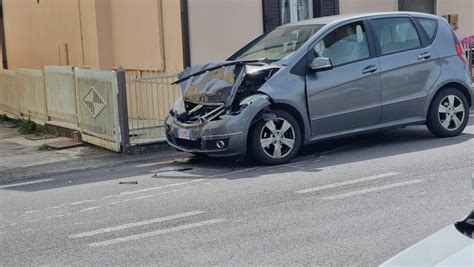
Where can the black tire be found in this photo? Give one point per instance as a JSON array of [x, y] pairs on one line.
[[434, 120], [260, 155]]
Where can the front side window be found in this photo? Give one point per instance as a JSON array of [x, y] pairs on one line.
[[280, 43], [345, 44], [396, 35]]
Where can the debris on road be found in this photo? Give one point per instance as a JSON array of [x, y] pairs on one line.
[[182, 169], [132, 182]]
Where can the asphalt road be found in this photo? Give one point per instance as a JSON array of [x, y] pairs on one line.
[[354, 201]]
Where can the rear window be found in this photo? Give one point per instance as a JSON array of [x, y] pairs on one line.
[[429, 26]]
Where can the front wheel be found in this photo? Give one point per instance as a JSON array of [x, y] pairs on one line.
[[448, 114], [275, 141]]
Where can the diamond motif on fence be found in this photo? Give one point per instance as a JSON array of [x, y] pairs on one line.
[[93, 102]]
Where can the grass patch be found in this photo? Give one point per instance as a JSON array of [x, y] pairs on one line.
[[45, 147], [4, 118], [26, 126]]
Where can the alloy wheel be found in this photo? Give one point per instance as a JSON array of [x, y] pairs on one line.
[[451, 112], [277, 138]]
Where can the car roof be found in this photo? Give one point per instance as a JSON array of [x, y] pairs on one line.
[[345, 17]]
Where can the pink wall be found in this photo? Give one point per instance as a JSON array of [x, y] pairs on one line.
[[218, 28]]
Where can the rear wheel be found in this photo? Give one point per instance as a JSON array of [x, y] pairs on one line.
[[448, 114], [276, 141]]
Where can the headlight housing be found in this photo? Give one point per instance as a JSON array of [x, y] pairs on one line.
[[178, 107]]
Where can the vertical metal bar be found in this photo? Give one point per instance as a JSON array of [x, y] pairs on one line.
[[123, 109], [148, 104]]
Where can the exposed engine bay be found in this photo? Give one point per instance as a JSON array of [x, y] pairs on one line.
[[218, 88]]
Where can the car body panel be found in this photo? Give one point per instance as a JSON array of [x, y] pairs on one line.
[[444, 247], [406, 82], [289, 89], [344, 97]]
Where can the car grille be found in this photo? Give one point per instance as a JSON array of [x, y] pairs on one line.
[[189, 144]]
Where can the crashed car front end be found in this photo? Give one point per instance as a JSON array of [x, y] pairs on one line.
[[218, 105]]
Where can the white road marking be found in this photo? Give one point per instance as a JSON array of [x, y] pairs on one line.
[[365, 179], [160, 187], [35, 220], [90, 208], [82, 202], [25, 183], [373, 189], [131, 225], [31, 211], [155, 233], [232, 172], [109, 196], [142, 197], [154, 163], [115, 203]]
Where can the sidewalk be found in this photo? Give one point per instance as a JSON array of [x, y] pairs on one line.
[[20, 158]]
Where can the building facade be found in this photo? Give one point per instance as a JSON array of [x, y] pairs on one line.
[[169, 34], [94, 33]]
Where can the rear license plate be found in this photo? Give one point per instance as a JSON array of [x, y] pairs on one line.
[[184, 134]]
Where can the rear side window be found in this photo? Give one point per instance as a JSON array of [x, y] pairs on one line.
[[396, 35], [429, 26]]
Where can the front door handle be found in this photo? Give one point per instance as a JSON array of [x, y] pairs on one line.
[[369, 69], [424, 56]]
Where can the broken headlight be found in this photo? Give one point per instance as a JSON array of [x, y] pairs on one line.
[[179, 107]]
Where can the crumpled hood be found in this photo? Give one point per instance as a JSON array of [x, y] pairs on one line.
[[216, 83]]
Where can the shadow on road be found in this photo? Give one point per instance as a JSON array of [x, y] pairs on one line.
[[341, 151]]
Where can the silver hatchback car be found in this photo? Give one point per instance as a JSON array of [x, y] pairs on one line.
[[324, 78]]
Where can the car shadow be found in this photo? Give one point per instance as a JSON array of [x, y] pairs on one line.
[[341, 151], [312, 159]]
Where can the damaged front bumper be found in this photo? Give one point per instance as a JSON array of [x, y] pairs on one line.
[[224, 136]]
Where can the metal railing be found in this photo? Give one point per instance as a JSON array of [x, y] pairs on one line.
[[469, 50], [86, 100], [78, 99], [150, 96]]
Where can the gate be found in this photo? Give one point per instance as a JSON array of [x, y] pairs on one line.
[[150, 96], [61, 94], [97, 106], [32, 95], [9, 99]]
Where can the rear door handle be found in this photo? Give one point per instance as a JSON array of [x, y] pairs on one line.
[[424, 55], [369, 69]]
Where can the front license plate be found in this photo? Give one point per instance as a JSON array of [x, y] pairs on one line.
[[184, 134]]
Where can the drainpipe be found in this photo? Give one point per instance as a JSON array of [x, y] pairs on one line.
[[162, 35], [185, 33], [80, 30]]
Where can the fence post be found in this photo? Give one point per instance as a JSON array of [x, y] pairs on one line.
[[123, 109]]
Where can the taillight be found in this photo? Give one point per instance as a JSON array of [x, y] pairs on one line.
[[460, 52]]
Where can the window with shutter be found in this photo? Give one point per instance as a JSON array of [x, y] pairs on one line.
[[271, 14], [278, 12]]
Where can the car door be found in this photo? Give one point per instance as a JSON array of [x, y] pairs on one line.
[[408, 69], [348, 95]]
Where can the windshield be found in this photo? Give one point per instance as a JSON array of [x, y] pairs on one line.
[[281, 42]]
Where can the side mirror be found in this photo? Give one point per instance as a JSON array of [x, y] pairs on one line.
[[320, 64]]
